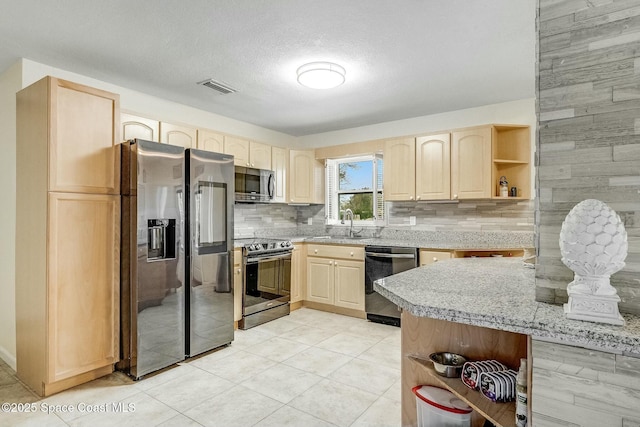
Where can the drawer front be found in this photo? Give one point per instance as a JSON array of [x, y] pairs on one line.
[[334, 251], [429, 257]]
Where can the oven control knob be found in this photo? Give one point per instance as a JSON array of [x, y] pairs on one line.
[[254, 247]]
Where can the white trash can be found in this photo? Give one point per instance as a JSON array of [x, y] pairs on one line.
[[438, 407]]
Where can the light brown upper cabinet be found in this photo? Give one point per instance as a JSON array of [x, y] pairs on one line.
[[463, 164], [249, 154], [182, 136], [259, 155], [280, 165], [210, 141], [239, 149], [306, 177], [399, 169], [139, 127], [67, 234], [433, 167], [471, 164], [80, 126]]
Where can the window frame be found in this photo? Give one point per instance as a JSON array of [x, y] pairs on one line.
[[332, 185]]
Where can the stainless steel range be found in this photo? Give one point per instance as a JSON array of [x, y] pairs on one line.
[[267, 281]]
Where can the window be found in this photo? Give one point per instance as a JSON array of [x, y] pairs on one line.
[[355, 183]]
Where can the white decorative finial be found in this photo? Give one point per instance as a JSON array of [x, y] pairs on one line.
[[593, 243]]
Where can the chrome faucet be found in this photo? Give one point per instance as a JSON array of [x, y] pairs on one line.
[[348, 213]]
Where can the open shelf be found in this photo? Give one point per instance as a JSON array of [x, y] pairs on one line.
[[511, 154], [500, 414]]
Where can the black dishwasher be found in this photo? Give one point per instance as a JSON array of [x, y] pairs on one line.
[[384, 261]]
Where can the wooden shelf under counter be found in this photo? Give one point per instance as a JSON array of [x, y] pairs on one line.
[[422, 336], [500, 414]]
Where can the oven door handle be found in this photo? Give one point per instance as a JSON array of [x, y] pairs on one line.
[[258, 260], [379, 255]]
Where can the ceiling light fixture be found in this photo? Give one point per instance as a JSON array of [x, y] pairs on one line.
[[321, 75]]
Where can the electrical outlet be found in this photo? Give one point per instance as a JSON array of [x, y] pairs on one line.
[[310, 221], [412, 220]]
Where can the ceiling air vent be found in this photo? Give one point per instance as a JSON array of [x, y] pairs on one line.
[[217, 86]]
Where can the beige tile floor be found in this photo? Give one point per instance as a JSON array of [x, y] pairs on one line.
[[307, 369]]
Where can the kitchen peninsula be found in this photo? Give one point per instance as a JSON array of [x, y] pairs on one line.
[[484, 308]]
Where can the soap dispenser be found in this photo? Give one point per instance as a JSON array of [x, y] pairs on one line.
[[504, 187]]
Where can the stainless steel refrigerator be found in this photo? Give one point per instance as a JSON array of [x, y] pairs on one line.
[[177, 243]]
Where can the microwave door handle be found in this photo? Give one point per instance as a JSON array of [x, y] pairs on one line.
[[271, 185]]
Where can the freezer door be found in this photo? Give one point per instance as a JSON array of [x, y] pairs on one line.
[[210, 210], [153, 303]]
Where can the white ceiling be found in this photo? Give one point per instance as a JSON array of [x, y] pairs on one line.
[[404, 58]]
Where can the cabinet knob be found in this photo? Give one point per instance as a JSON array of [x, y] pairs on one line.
[[435, 259], [330, 262], [239, 271], [252, 164], [455, 196], [315, 251], [248, 164], [410, 197], [351, 253], [417, 197]]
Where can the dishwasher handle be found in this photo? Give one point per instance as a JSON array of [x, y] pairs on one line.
[[381, 255]]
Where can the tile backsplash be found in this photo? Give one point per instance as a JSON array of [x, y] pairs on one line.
[[479, 215]]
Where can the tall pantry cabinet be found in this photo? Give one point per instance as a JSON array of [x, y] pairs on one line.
[[67, 234]]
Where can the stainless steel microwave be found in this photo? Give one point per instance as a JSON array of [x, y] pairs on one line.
[[254, 185]]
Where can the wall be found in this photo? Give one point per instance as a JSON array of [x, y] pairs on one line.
[[282, 220], [589, 147], [475, 215], [10, 83], [160, 109], [515, 112], [580, 387]]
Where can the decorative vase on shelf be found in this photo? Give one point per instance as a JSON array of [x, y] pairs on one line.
[[593, 244]]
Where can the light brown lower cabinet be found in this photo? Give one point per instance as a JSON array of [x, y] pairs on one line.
[[67, 302], [338, 280], [237, 285]]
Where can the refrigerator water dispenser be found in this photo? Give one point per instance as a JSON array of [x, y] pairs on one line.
[[161, 239]]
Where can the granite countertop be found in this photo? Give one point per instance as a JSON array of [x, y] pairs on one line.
[[499, 293], [419, 239]]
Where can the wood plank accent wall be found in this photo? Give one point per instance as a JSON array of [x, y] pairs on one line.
[[588, 99]]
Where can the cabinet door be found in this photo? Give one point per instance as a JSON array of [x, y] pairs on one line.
[[260, 155], [433, 167], [349, 284], [280, 165], [471, 164], [83, 283], [139, 127], [239, 149], [320, 280], [181, 136], [429, 257], [210, 141], [399, 169], [83, 157], [297, 274], [301, 176], [237, 285]]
